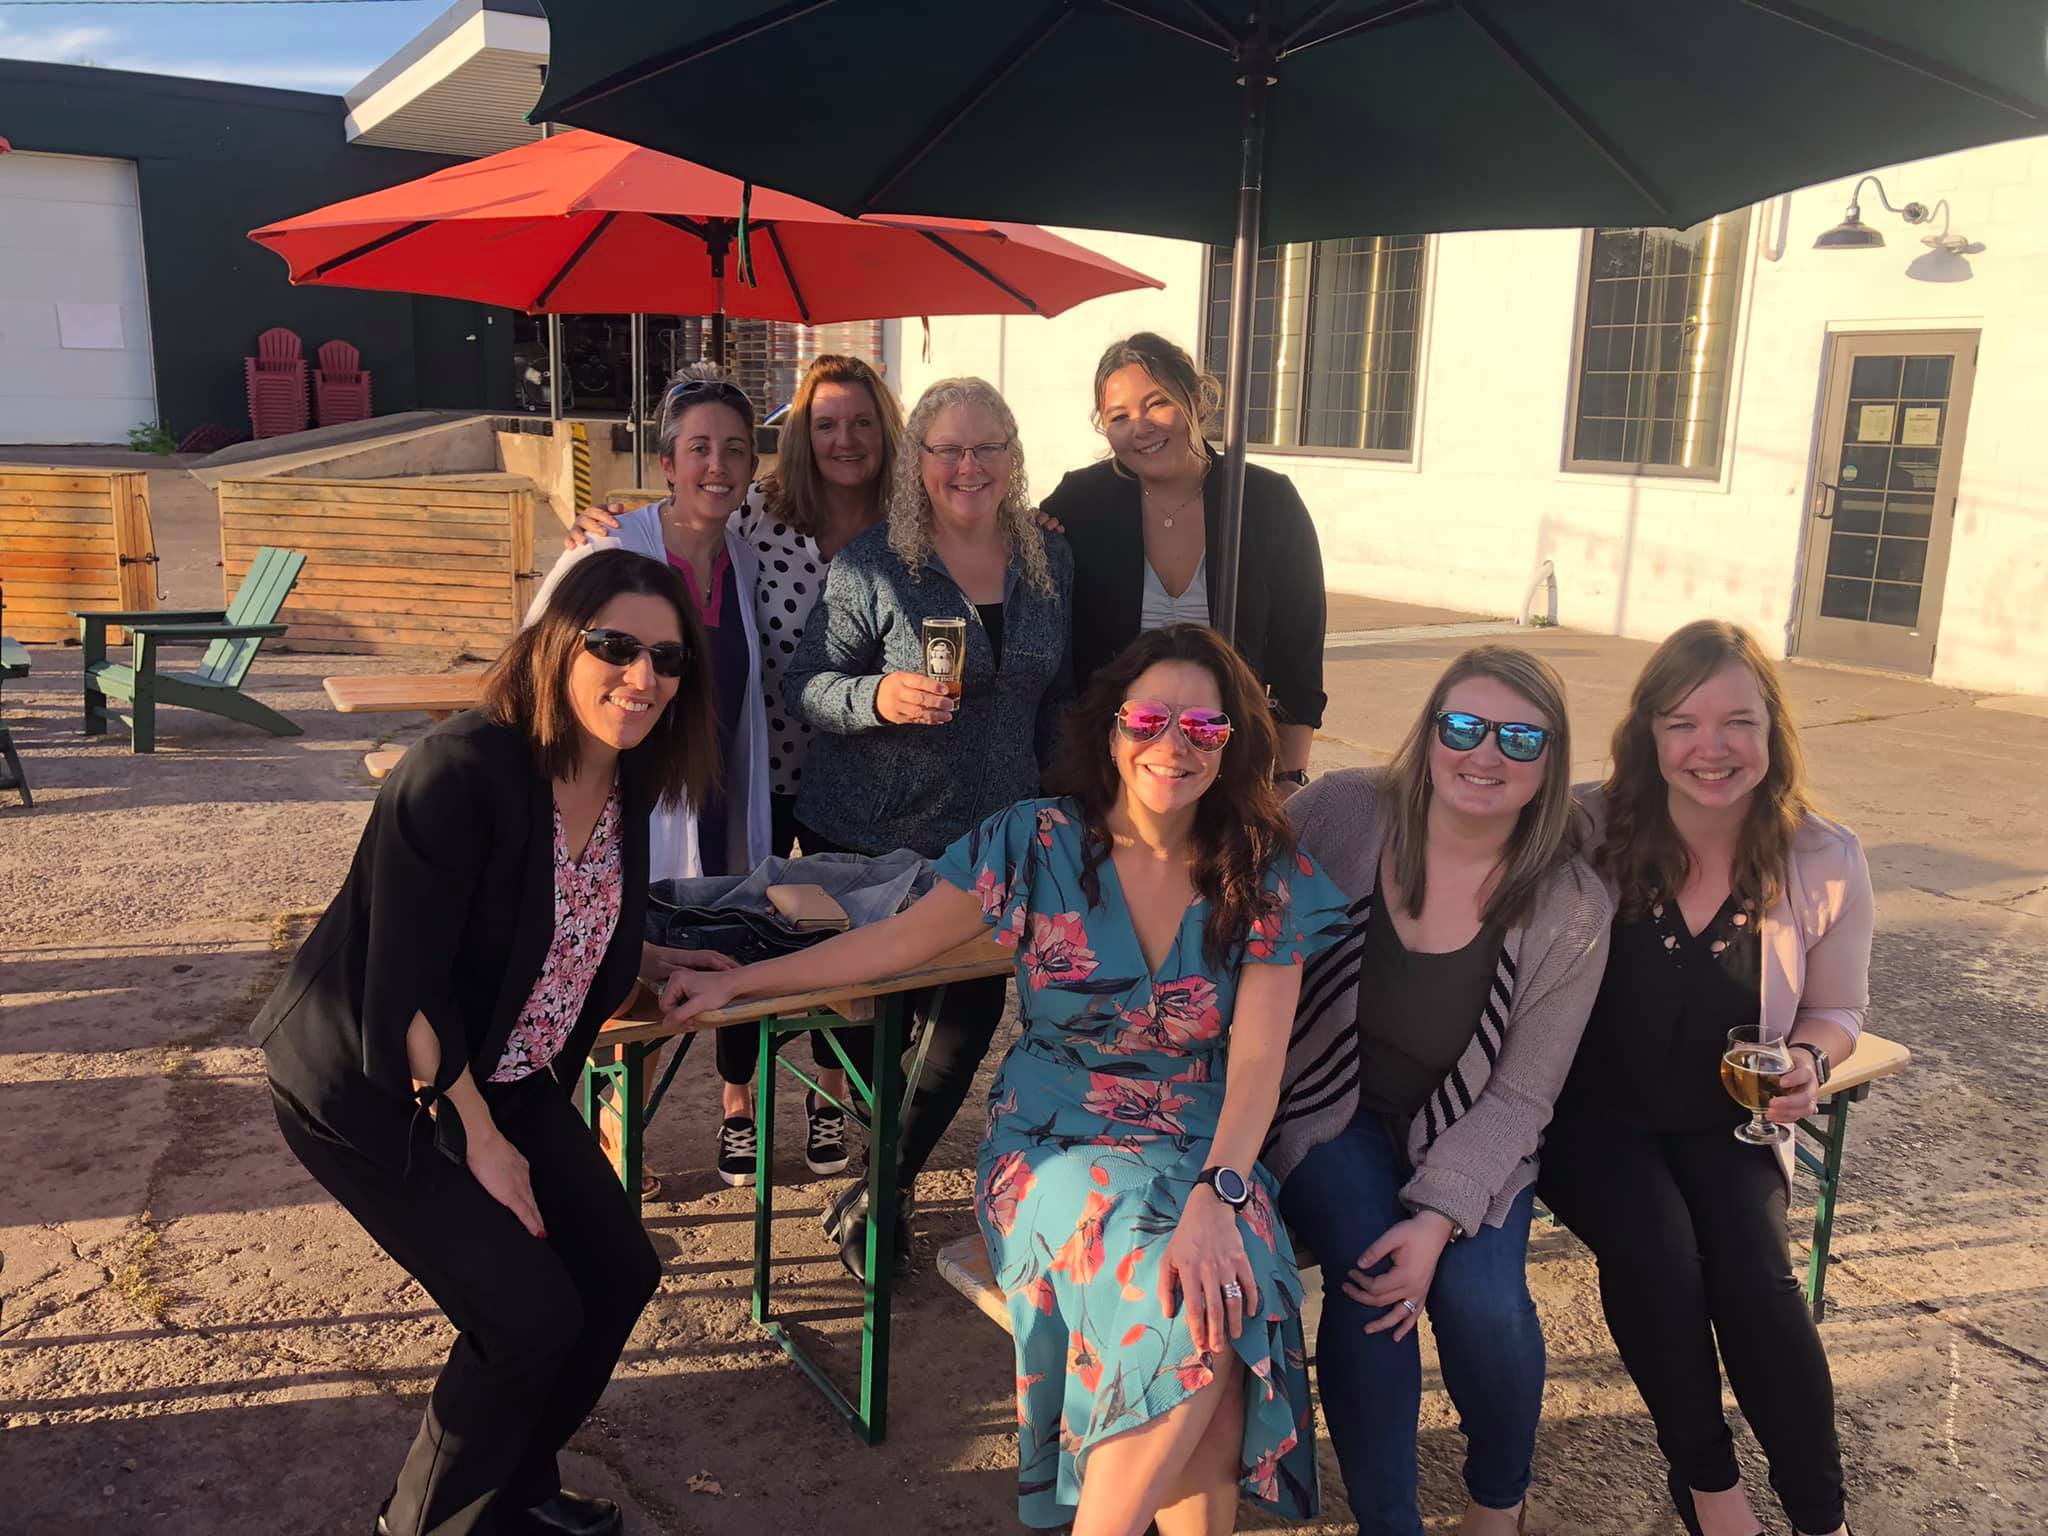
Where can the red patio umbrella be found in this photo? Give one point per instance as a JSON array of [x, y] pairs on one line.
[[585, 224]]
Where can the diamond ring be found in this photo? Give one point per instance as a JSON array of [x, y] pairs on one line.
[[1233, 1290]]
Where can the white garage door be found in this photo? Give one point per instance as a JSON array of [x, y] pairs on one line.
[[74, 315]]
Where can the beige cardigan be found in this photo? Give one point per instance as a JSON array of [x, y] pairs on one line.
[[1473, 1146]]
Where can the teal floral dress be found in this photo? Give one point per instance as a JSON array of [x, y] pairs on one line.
[[1099, 1121]]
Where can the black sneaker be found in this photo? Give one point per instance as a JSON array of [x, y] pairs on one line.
[[738, 1150], [825, 1137]]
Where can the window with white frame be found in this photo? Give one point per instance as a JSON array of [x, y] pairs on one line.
[[1656, 342], [1336, 342]]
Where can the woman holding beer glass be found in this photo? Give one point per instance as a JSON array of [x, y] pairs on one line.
[[1740, 954], [1429, 1047], [962, 581]]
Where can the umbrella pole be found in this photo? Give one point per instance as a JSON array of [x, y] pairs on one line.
[[554, 327], [1238, 384], [637, 330]]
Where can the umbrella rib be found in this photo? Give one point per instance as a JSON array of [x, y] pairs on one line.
[[789, 273], [957, 113], [688, 226], [1216, 23], [315, 273], [690, 54], [972, 265], [1891, 53], [1298, 40], [1227, 44], [569, 266], [1526, 67]]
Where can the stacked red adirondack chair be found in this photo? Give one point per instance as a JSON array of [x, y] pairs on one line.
[[341, 385], [276, 378]]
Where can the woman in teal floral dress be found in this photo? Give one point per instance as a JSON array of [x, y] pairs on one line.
[[1160, 914]]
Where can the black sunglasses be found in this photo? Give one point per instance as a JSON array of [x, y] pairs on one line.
[[1518, 743], [716, 389], [616, 648]]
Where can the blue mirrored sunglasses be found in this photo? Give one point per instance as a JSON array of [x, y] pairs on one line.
[[1518, 743]]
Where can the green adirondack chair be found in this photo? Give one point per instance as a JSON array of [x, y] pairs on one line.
[[236, 634]]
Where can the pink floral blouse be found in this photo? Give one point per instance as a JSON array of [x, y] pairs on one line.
[[586, 911]]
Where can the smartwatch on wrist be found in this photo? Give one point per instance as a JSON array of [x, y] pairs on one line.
[[1821, 1066], [1295, 776], [1229, 1184]]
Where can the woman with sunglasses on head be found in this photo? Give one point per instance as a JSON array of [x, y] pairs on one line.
[[898, 761], [1161, 915], [754, 561], [1142, 522], [1739, 906], [1430, 1046], [423, 1046]]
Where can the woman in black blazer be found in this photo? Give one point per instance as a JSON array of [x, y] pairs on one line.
[[1142, 523], [424, 1044]]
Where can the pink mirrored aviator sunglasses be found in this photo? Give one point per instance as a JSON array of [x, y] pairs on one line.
[[1143, 720]]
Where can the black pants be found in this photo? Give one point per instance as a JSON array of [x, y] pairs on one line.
[[542, 1320], [961, 1020], [1689, 1232]]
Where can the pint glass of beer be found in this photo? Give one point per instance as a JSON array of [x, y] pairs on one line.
[[945, 654]]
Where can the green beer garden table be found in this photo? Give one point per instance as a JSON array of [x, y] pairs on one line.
[[628, 1044]]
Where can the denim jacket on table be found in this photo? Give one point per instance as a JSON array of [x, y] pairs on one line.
[[874, 786]]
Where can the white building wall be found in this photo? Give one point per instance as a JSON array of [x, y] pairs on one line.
[[1485, 500]]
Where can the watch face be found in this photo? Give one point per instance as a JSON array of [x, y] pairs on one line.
[[1231, 1186]]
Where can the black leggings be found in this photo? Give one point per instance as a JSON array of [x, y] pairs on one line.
[[960, 1027], [1689, 1231]]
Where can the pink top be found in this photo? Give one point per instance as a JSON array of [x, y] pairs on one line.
[[708, 612], [586, 911]]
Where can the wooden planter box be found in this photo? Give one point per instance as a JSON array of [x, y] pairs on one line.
[[393, 567], [73, 538]]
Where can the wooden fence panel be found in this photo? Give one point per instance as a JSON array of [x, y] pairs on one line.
[[393, 567], [73, 538]]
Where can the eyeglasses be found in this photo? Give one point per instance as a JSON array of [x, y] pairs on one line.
[[1518, 743], [953, 453], [1143, 720], [616, 648]]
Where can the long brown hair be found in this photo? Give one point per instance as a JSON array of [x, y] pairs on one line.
[[1542, 838], [1195, 392], [1642, 852], [1239, 827], [527, 688], [793, 490]]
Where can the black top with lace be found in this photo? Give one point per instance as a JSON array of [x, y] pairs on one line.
[[1651, 1056]]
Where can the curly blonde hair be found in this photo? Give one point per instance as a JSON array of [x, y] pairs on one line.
[[910, 508]]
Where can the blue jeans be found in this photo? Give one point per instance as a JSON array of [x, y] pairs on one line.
[[1343, 1195]]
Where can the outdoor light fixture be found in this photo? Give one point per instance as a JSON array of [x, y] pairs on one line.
[[1852, 234]]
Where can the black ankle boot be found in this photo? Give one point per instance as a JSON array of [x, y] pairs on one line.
[[847, 1223]]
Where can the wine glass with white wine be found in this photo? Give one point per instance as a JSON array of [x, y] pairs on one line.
[[1752, 1067]]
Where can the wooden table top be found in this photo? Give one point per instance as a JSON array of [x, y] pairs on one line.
[[1874, 1057], [428, 693], [639, 1019]]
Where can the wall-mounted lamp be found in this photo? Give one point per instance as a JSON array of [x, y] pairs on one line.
[[1852, 234]]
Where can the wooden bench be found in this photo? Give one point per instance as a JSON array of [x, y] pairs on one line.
[[965, 1265]]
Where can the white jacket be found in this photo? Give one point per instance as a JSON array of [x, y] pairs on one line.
[[674, 853]]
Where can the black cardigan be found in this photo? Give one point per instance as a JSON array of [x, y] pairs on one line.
[[1280, 603], [448, 910]]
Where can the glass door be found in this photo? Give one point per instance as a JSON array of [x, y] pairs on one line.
[[1884, 498]]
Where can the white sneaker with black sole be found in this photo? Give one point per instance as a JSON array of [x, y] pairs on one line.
[[824, 1135], [738, 1150]]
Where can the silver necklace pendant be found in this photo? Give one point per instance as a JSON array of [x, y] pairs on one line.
[[1166, 522]]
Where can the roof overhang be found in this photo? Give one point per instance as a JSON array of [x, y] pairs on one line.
[[462, 87]]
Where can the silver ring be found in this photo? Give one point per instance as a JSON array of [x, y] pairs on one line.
[[1409, 1305], [1233, 1290]]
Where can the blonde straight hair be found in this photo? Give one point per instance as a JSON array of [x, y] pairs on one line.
[[910, 508], [1544, 833], [793, 491]]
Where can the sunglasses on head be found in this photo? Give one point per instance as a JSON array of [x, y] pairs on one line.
[[1143, 720], [712, 389], [616, 648], [1518, 743]]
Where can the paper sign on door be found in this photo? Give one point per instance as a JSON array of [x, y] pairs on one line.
[[1923, 426], [1874, 423]]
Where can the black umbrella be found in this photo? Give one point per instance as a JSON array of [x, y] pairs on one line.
[[1328, 117]]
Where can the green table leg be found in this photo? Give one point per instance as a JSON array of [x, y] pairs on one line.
[[1831, 1130], [624, 1075], [883, 1099]]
